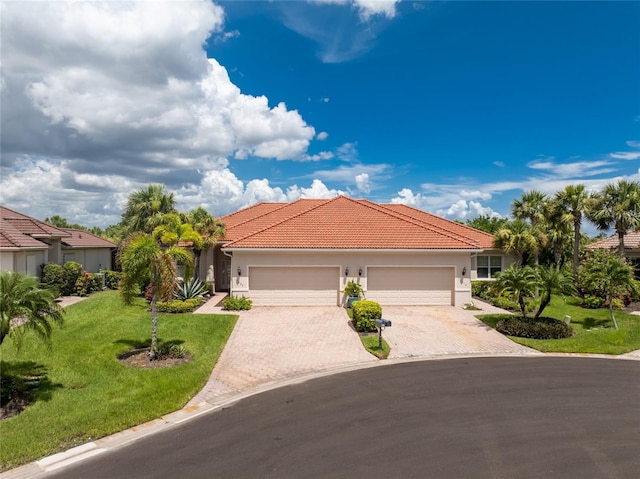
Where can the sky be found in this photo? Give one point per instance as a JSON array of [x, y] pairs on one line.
[[452, 107]]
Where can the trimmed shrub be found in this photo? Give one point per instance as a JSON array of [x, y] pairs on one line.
[[592, 302], [71, 274], [53, 277], [169, 350], [541, 328], [88, 283], [111, 279], [179, 306], [480, 289], [365, 314], [235, 303]]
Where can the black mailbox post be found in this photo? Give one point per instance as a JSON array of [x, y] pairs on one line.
[[382, 323]]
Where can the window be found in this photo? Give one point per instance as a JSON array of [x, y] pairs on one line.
[[488, 266]]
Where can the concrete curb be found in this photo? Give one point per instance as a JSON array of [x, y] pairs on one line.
[[42, 467]]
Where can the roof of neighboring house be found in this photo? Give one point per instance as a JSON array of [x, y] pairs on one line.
[[345, 223], [31, 226], [84, 239], [631, 241], [11, 238]]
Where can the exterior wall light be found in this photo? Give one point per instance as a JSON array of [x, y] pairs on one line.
[[360, 272], [346, 271], [240, 271], [464, 270]]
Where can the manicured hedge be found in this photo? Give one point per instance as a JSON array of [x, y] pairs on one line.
[[235, 303], [365, 314], [541, 328], [178, 306]]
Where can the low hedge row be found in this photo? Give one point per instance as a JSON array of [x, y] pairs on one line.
[[178, 306], [235, 303], [541, 328], [365, 314]]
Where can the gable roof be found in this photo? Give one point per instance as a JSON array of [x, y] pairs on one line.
[[345, 223], [84, 239], [631, 241], [31, 226], [12, 239]]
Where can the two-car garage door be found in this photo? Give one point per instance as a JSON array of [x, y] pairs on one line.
[[294, 286], [320, 286], [410, 285]]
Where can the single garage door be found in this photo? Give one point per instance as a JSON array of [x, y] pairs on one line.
[[410, 285], [294, 286]]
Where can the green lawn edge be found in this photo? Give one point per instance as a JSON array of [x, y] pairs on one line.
[[85, 393], [370, 343], [594, 332]]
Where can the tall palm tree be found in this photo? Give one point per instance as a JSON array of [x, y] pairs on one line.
[[143, 259], [22, 299], [618, 205], [558, 228], [521, 282], [146, 207], [532, 206], [573, 199], [517, 239], [552, 281], [206, 232]]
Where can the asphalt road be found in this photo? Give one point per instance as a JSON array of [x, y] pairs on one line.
[[460, 418]]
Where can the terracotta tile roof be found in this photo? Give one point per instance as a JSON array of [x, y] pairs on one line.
[[11, 238], [631, 241], [344, 223], [84, 239], [31, 226]]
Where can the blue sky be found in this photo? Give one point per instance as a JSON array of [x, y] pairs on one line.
[[452, 107]]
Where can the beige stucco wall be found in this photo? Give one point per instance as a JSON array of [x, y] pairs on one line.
[[26, 262], [245, 260], [91, 259]]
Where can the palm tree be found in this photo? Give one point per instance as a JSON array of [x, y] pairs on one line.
[[146, 207], [618, 205], [206, 232], [521, 282], [143, 259], [552, 281], [532, 206], [517, 239], [573, 199], [32, 307], [558, 228]]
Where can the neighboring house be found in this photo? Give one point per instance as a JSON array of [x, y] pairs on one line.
[[27, 243], [303, 253], [631, 247]]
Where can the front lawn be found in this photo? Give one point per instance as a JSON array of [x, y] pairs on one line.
[[593, 329], [84, 391]]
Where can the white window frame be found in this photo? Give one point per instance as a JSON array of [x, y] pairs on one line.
[[492, 270]]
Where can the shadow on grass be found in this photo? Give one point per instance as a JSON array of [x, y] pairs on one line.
[[25, 379], [137, 344], [590, 323]]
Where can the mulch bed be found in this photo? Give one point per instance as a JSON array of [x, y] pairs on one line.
[[139, 358], [14, 407]]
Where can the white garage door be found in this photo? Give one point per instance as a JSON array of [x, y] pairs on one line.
[[410, 285], [294, 286]]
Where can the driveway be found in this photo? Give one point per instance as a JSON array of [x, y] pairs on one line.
[[274, 343], [431, 331]]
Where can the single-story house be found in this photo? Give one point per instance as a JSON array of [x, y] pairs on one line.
[[304, 253], [26, 243], [631, 247]]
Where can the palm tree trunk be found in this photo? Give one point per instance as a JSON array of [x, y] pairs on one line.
[[196, 269], [576, 248], [621, 243], [613, 318], [154, 322]]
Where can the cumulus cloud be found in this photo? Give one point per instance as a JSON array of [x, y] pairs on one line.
[[443, 201], [323, 135], [362, 183], [127, 87]]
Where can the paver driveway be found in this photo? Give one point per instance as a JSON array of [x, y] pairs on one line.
[[430, 331], [270, 344], [275, 343]]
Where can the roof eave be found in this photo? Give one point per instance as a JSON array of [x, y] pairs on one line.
[[355, 250]]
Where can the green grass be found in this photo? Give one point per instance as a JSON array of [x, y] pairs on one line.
[[85, 393], [370, 343], [594, 332]]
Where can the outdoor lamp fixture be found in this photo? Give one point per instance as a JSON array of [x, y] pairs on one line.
[[239, 271], [346, 271], [360, 272], [464, 270]]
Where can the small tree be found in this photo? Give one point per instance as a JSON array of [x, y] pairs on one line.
[[611, 275], [22, 297], [552, 281], [521, 282], [142, 259]]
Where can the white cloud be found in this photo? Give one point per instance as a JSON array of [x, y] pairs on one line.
[[346, 174], [475, 194], [499, 164], [323, 155], [323, 135], [443, 203], [463, 210], [573, 169], [366, 8], [633, 144], [626, 155], [362, 183]]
